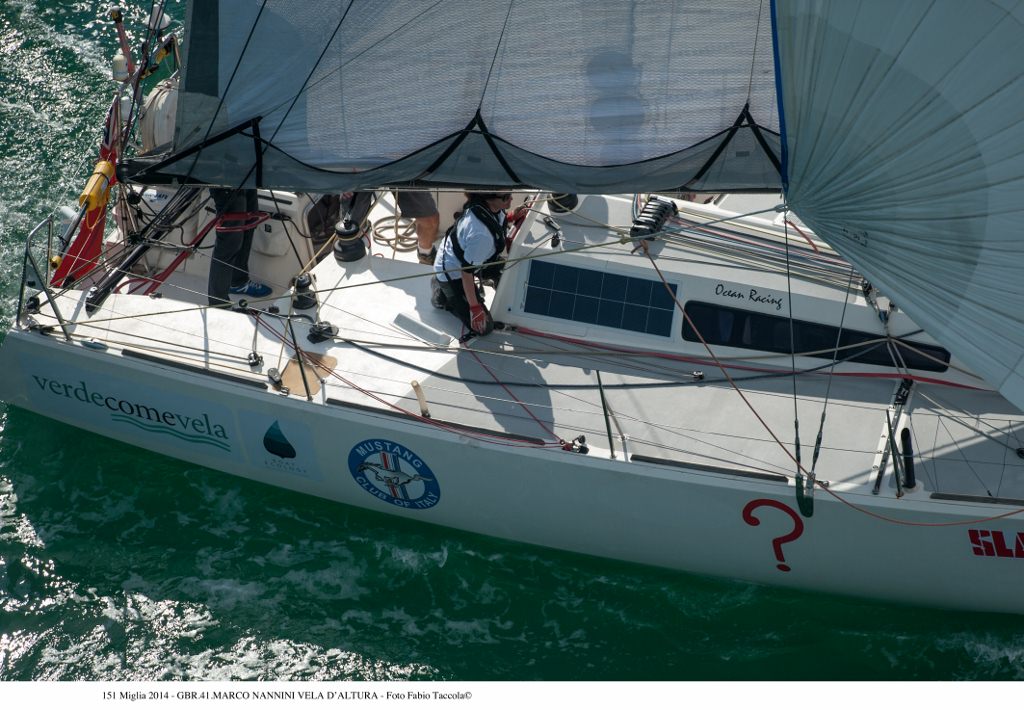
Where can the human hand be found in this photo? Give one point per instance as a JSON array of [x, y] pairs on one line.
[[480, 320]]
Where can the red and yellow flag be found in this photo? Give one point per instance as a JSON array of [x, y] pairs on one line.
[[84, 252]]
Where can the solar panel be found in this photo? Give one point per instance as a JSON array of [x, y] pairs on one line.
[[598, 298]]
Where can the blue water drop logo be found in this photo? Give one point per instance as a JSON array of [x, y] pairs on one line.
[[276, 443]]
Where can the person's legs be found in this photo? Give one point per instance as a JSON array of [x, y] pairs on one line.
[[240, 273], [426, 234], [421, 207], [229, 268], [455, 301], [225, 252], [226, 248]]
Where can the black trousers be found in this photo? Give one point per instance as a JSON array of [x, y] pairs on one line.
[[230, 262], [455, 301], [454, 295]]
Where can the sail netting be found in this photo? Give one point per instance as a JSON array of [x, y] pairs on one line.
[[904, 128], [575, 95]]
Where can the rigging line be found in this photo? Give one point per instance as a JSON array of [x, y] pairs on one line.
[[930, 476], [414, 341], [769, 373], [763, 374], [453, 428], [873, 344], [1002, 474], [742, 263], [792, 351], [289, 318], [963, 456], [601, 349], [309, 76], [832, 369], [341, 67], [827, 489], [960, 421], [750, 239], [928, 356], [757, 259], [176, 340], [594, 350], [494, 58], [224, 94], [753, 53], [730, 218], [199, 352], [522, 404], [742, 243]]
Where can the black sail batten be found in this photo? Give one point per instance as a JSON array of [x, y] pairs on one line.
[[151, 170], [756, 130], [477, 126], [744, 120], [258, 149], [494, 147], [460, 137], [159, 170]]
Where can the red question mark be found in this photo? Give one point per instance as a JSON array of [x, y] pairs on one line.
[[777, 543]]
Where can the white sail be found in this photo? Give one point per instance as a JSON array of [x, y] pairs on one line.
[[577, 95], [904, 127]]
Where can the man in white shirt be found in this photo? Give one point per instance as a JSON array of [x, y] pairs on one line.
[[476, 241]]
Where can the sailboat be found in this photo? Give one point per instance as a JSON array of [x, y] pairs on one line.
[[760, 314]]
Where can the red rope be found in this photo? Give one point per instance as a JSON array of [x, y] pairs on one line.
[[801, 233], [720, 364], [542, 425]]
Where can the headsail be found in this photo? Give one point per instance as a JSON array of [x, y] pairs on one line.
[[904, 128], [577, 96]]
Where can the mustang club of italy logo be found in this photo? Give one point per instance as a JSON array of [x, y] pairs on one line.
[[394, 474]]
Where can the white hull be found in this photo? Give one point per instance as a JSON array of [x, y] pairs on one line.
[[667, 516], [667, 371]]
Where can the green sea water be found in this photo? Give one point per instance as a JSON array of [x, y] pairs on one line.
[[118, 564]]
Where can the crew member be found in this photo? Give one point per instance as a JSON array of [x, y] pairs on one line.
[[472, 249], [229, 267], [418, 206]]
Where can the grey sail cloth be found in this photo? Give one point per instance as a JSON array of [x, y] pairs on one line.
[[578, 96], [896, 130], [904, 127]]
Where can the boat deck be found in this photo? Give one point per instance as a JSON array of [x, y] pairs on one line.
[[540, 387]]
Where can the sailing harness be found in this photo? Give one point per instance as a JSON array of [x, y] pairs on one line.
[[497, 230]]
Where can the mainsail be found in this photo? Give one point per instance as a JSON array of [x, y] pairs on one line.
[[575, 95], [896, 129]]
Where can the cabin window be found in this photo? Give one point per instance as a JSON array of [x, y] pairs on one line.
[[737, 328], [599, 298]]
